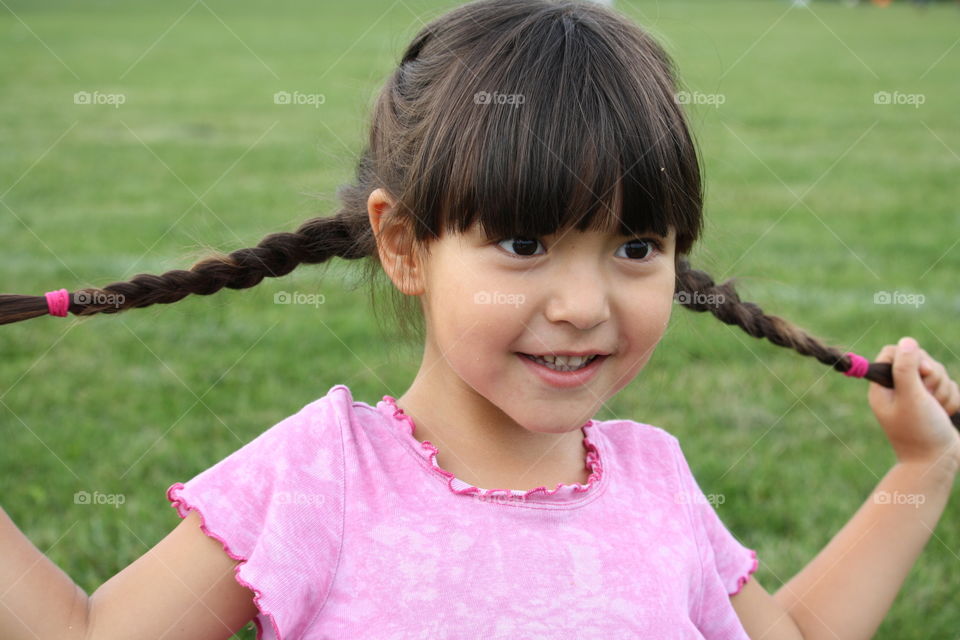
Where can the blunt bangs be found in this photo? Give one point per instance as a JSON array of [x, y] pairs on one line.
[[560, 125]]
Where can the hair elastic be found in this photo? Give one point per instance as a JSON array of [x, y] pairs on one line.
[[58, 302], [858, 366]]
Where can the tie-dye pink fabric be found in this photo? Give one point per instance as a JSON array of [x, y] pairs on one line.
[[348, 528]]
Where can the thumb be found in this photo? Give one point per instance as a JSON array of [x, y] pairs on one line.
[[906, 367]]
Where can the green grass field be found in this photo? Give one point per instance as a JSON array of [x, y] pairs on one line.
[[817, 198]]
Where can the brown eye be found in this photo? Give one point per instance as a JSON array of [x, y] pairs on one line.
[[641, 248], [522, 246]]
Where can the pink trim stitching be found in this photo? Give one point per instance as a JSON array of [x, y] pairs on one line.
[[183, 508], [428, 450], [742, 580]]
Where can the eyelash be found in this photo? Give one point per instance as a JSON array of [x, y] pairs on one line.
[[657, 245]]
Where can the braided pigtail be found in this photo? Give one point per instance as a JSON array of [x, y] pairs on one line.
[[345, 235], [697, 291]]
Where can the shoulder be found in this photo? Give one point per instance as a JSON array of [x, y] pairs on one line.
[[308, 441], [644, 453], [336, 405], [278, 504], [632, 440], [336, 408], [317, 420]]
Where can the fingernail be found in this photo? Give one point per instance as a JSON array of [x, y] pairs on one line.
[[907, 345]]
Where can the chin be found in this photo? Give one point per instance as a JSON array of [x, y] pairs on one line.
[[555, 422]]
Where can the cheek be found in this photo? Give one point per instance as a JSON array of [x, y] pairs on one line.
[[472, 318], [663, 303], [647, 318]]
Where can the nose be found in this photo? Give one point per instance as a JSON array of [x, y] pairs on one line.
[[579, 295]]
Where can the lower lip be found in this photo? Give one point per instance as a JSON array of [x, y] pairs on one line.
[[564, 379]]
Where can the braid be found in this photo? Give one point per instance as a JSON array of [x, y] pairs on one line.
[[345, 235], [697, 291]]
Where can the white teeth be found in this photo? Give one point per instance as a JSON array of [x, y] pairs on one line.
[[564, 363], [571, 361]]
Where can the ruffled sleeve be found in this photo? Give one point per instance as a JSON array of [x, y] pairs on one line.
[[727, 564], [276, 504]]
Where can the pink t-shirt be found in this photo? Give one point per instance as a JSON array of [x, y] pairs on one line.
[[348, 528]]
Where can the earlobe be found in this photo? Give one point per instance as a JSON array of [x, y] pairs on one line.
[[395, 257]]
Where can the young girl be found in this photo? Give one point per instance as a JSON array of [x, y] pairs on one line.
[[531, 188]]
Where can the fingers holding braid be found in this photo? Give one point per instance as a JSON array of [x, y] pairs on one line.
[[939, 383], [935, 378]]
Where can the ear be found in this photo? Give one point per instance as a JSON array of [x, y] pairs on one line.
[[397, 257]]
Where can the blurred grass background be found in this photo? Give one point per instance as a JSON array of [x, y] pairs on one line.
[[817, 199]]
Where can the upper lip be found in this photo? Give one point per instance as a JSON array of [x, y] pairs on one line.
[[569, 353]]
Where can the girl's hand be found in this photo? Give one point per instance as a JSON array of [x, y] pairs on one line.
[[915, 414]]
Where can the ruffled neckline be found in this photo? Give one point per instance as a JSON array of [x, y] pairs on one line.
[[561, 493]]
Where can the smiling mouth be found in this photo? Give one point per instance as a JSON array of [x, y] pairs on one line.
[[562, 364]]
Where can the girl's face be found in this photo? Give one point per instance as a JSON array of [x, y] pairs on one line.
[[486, 302]]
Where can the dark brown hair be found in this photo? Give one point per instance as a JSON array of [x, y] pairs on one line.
[[526, 116]]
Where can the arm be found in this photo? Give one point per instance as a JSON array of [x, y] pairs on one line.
[[762, 615], [185, 585], [847, 589]]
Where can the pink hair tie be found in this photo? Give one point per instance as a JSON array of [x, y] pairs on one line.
[[858, 366], [58, 302]]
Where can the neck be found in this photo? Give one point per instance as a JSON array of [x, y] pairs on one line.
[[480, 444]]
